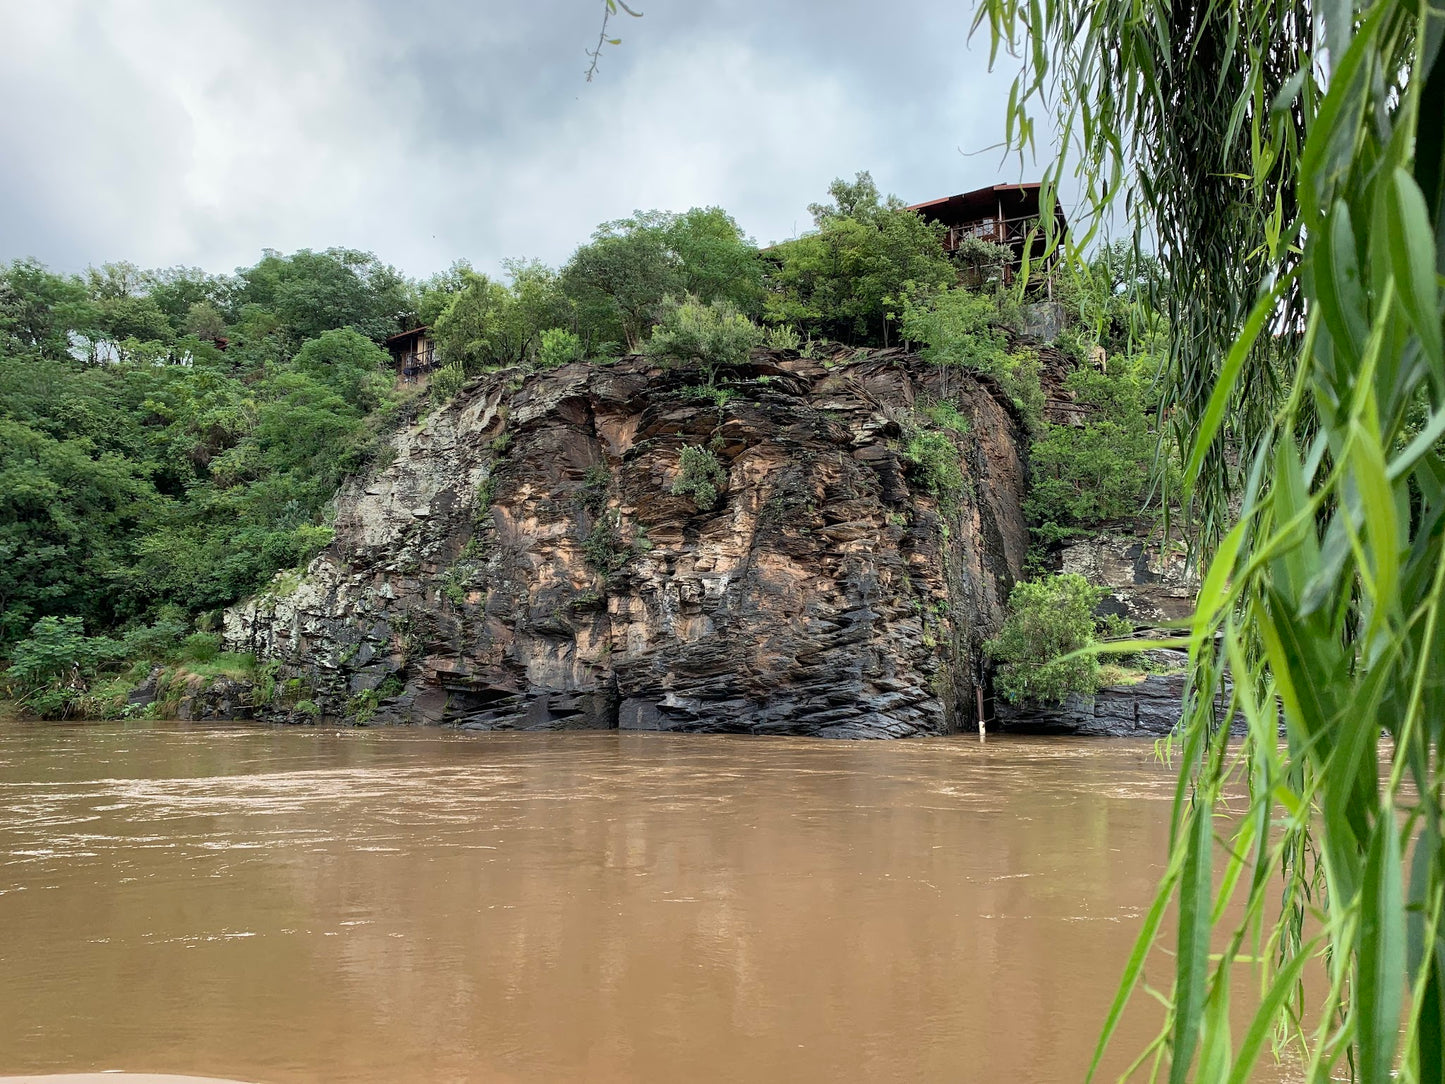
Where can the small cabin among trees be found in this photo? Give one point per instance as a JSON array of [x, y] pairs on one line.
[[414, 354], [1002, 214]]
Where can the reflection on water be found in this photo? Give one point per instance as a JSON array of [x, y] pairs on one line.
[[303, 905]]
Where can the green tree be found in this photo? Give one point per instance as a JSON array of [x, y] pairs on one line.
[[311, 292], [559, 347], [487, 324], [717, 260], [39, 309], [65, 517], [178, 291], [349, 363], [847, 279], [619, 279], [436, 292], [1048, 620]]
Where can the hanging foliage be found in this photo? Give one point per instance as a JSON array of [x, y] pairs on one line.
[[1290, 158]]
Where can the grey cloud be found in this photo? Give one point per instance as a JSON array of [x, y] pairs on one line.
[[173, 132]]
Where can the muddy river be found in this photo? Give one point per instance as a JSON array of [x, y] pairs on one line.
[[394, 905]]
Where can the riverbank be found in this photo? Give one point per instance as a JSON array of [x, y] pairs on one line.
[[1139, 701]]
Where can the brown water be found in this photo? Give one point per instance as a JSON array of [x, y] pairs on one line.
[[304, 905]]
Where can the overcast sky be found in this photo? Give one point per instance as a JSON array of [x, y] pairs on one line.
[[197, 133]]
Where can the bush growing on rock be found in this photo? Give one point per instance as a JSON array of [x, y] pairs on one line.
[[1048, 620], [935, 461], [59, 671], [603, 547], [944, 414], [201, 647], [559, 347], [967, 328], [700, 475], [959, 327], [783, 337], [1098, 471], [446, 382], [706, 337]]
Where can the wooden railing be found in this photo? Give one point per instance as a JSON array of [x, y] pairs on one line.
[[1001, 231], [417, 363]]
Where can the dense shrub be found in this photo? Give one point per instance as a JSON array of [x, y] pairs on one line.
[[446, 382], [783, 337], [700, 473], [352, 364], [201, 647], [559, 347], [704, 337], [933, 459], [1048, 619], [959, 327], [845, 279], [487, 324], [1099, 471], [617, 281], [603, 548], [968, 328], [57, 647]]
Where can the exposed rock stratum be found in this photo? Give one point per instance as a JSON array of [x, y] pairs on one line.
[[523, 562]]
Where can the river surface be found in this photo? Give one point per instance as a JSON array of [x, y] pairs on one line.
[[289, 905]]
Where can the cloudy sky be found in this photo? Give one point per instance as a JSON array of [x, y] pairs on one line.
[[193, 132]]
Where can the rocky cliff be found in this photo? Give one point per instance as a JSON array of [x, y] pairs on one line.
[[529, 559]]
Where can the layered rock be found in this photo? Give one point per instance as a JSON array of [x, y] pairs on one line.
[[1149, 580], [1148, 707], [525, 562]]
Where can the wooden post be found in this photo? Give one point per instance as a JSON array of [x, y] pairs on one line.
[[978, 693]]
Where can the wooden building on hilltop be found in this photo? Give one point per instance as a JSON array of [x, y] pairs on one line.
[[1001, 213], [414, 354]]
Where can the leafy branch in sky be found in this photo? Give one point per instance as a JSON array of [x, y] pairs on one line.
[[609, 9]]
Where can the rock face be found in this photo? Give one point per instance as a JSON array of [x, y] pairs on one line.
[[529, 560], [1148, 708], [1149, 581]]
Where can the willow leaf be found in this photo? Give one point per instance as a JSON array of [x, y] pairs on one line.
[[1380, 989], [1192, 962]]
